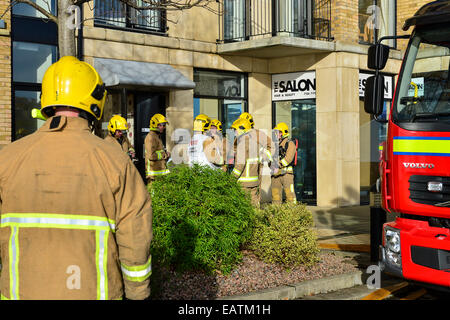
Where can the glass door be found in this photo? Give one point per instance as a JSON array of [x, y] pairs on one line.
[[300, 116]]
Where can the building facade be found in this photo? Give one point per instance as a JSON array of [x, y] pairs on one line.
[[298, 61]]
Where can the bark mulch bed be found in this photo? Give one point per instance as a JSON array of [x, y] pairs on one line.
[[250, 275]]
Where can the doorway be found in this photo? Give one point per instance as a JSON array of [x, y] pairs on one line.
[[146, 105], [300, 116]]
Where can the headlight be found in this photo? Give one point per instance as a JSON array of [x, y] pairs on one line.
[[392, 239], [392, 246]]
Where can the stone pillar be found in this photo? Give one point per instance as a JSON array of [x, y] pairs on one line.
[[260, 107], [338, 155], [180, 113]]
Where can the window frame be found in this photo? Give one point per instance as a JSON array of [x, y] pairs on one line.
[[376, 31], [221, 99]]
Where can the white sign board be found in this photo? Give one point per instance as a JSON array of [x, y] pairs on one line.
[[387, 85], [294, 86], [416, 83]]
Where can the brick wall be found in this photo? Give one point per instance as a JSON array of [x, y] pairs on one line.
[[405, 10], [344, 20], [5, 77]]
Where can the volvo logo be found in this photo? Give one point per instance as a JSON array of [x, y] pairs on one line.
[[418, 165]]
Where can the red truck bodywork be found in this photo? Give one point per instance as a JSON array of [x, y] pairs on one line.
[[424, 246]]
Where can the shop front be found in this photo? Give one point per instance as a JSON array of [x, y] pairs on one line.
[[294, 102]]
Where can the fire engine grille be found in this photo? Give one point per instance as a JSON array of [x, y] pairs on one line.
[[418, 190], [431, 258]]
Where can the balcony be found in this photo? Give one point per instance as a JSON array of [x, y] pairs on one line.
[[274, 28], [116, 14]]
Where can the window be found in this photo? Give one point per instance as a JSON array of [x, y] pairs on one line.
[[23, 9], [220, 95], [34, 49], [377, 18], [31, 60], [300, 116], [117, 14]]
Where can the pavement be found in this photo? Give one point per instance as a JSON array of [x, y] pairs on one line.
[[345, 231]]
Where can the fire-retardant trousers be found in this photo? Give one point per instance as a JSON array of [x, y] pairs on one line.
[[283, 182]]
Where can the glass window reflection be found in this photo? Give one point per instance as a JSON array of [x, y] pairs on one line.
[[31, 60], [23, 9], [24, 102]]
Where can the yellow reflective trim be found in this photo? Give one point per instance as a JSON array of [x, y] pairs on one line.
[[54, 220], [2, 297], [158, 172], [14, 264], [159, 154], [137, 273], [248, 179], [431, 146]]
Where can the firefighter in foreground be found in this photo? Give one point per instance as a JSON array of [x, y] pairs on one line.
[[203, 148], [283, 172], [75, 216], [117, 135], [156, 156], [246, 162]]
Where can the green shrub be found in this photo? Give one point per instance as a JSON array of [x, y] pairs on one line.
[[201, 217], [283, 234]]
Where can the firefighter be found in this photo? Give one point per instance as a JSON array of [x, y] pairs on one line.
[[246, 162], [203, 149], [283, 172], [117, 135], [75, 216], [263, 140], [221, 141], [156, 156]]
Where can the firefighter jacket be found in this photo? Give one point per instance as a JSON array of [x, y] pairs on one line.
[[124, 144], [286, 154], [75, 217], [246, 163], [221, 144], [155, 156], [204, 151], [265, 146]]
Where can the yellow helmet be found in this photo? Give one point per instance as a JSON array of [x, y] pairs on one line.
[[117, 123], [202, 123], [216, 123], [283, 127], [247, 116], [72, 83], [241, 125], [157, 119]]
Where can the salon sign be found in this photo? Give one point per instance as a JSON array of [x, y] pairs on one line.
[[294, 86]]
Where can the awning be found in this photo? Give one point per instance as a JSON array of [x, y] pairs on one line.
[[126, 73]]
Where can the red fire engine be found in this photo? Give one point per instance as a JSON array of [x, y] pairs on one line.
[[415, 161]]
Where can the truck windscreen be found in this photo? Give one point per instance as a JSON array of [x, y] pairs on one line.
[[423, 93]]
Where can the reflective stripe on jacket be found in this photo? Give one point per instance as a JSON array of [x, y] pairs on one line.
[[75, 217]]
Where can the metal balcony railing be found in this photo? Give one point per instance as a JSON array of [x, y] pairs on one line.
[[242, 20], [117, 14]]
